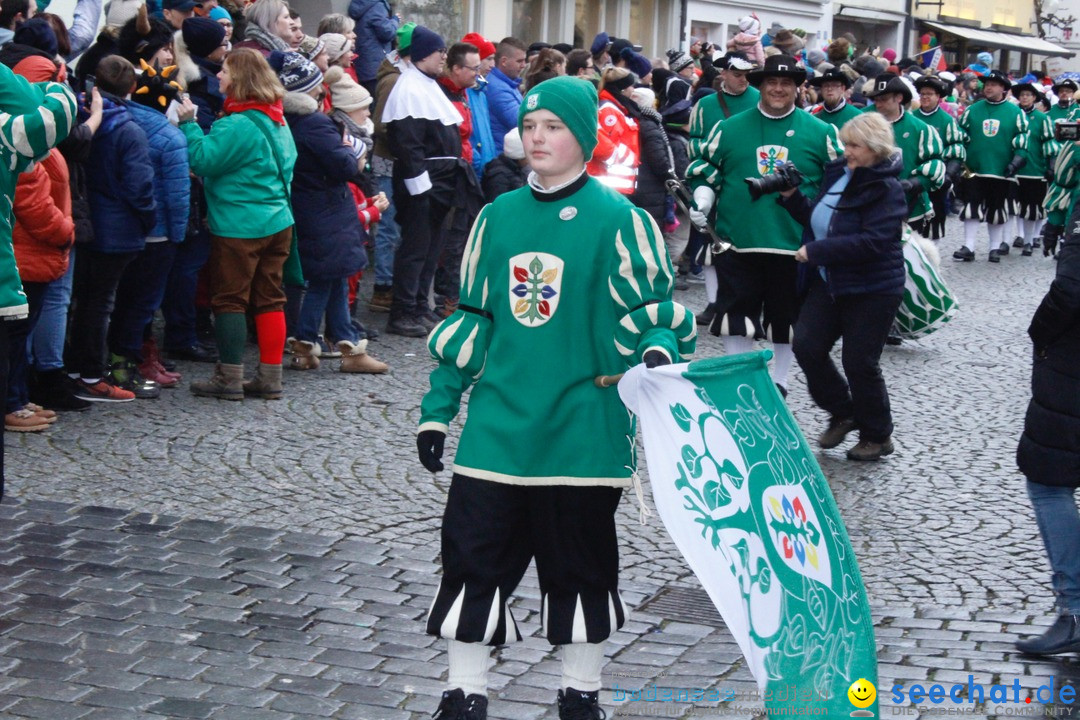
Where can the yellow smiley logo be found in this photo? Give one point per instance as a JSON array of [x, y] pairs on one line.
[[862, 693]]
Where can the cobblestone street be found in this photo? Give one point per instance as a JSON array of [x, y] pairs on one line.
[[190, 558]]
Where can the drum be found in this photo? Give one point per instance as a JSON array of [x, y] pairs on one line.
[[928, 304]]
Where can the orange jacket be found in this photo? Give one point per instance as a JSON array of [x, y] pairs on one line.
[[44, 230], [616, 158]]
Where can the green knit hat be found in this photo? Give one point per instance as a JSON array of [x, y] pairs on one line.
[[574, 100], [404, 38]]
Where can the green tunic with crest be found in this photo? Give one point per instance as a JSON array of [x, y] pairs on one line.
[[751, 144], [995, 132], [708, 114]]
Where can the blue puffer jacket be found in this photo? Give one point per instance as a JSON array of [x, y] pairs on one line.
[[329, 235], [120, 180], [504, 101], [482, 141], [375, 28], [172, 179], [862, 251]]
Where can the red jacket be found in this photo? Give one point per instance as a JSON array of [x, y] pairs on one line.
[[617, 156], [457, 96], [44, 230]]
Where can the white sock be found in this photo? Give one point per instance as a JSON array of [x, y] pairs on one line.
[[712, 283], [735, 344], [782, 357], [997, 232], [1039, 227], [1010, 229], [581, 663], [468, 667], [1030, 227], [971, 228]]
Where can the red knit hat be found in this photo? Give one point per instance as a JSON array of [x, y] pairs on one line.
[[486, 47]]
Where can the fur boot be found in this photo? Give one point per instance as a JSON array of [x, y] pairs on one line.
[[305, 355], [266, 384], [227, 383], [354, 358]]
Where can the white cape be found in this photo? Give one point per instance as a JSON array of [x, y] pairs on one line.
[[418, 96]]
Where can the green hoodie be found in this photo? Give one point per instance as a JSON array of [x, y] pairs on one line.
[[33, 119], [244, 193]]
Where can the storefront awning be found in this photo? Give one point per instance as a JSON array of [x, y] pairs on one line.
[[994, 39], [864, 14]]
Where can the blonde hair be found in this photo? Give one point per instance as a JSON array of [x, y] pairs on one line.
[[336, 23], [264, 13], [613, 74], [251, 77], [872, 131]]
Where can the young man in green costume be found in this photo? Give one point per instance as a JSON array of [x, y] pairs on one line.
[[833, 88], [562, 281], [932, 89], [1032, 177], [996, 132], [757, 277], [919, 144]]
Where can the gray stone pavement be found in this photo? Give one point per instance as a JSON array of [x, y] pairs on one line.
[[187, 558]]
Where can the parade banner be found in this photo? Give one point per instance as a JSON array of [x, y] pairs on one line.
[[746, 503], [928, 303]]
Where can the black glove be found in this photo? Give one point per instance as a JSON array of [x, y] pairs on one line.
[[1051, 236], [1017, 162], [1049, 175], [653, 358], [912, 187], [953, 169], [429, 446]]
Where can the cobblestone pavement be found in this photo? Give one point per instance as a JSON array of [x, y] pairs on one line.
[[187, 558]]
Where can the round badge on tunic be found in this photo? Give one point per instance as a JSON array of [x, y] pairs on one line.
[[907, 134], [790, 133], [568, 213]]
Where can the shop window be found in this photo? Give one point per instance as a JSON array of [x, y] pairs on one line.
[[527, 22]]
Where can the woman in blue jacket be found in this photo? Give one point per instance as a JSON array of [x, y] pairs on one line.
[[853, 279]]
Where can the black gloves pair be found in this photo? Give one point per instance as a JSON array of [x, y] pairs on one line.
[[1014, 165], [911, 187], [1051, 235]]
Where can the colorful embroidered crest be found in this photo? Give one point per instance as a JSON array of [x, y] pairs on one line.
[[533, 101], [796, 532], [990, 127], [769, 156], [535, 286]]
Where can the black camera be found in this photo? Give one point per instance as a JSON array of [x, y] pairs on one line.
[[1065, 131], [784, 176]]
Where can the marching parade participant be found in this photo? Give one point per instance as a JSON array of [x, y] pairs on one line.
[[834, 108], [757, 296], [587, 271], [919, 145], [1031, 192], [932, 89], [996, 132], [1066, 106]]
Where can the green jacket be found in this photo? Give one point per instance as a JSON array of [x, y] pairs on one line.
[[582, 289], [245, 196], [948, 130], [836, 117], [708, 115], [921, 149], [1041, 145], [33, 119], [751, 144], [995, 132]]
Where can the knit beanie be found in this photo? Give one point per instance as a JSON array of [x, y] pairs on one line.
[[889, 54], [639, 65], [297, 73], [425, 42], [512, 146], [202, 35], [485, 46], [985, 58], [404, 38], [37, 33], [120, 11], [336, 45], [345, 93], [815, 58], [573, 100], [677, 60], [310, 47], [750, 25], [219, 13]]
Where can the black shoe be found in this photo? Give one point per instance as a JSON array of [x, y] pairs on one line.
[[579, 705], [1003, 248], [995, 256], [1061, 637], [705, 317], [406, 326], [894, 340], [1027, 251], [964, 254], [428, 319], [1018, 242], [197, 353], [455, 706], [836, 432], [55, 390], [870, 450], [1037, 242]]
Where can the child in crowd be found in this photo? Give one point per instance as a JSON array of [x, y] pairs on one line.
[[508, 171]]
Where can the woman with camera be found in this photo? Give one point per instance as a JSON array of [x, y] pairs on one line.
[[851, 275]]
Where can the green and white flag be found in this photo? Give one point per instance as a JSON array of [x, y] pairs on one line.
[[747, 505]]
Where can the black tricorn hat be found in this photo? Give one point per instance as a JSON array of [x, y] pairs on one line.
[[778, 66], [1066, 83], [888, 82], [831, 75], [997, 76], [934, 83]]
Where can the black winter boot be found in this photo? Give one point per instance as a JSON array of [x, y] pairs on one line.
[[1061, 637], [580, 705], [455, 706]]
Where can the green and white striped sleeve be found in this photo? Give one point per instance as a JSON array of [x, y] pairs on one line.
[[1019, 141], [931, 168], [953, 142], [704, 167], [460, 342], [1059, 195], [641, 286], [29, 136]]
